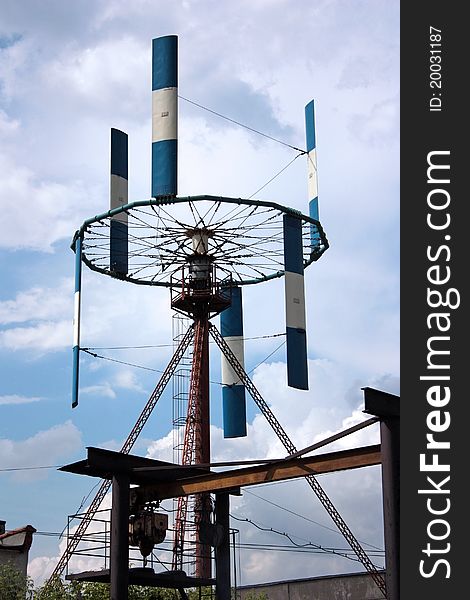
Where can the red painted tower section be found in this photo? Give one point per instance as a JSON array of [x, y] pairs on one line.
[[199, 295]]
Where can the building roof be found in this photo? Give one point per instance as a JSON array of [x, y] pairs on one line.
[[309, 579], [17, 539]]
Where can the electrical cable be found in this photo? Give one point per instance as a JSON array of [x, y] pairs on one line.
[[274, 176], [30, 468], [257, 337], [122, 362], [241, 124], [245, 545], [299, 150], [286, 535], [269, 356], [306, 545], [273, 548], [82, 503], [305, 518]]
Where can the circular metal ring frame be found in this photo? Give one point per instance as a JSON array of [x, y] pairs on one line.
[[244, 237]]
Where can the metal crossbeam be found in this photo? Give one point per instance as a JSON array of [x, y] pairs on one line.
[[126, 448], [291, 449], [278, 470]]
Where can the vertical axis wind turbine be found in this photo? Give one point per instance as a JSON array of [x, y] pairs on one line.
[[204, 249]]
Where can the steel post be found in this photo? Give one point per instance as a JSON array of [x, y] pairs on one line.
[[222, 553], [387, 407], [119, 556], [389, 439]]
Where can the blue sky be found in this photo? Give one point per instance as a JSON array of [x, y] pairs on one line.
[[69, 71]]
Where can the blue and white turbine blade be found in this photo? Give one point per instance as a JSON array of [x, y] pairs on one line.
[[76, 321], [233, 391], [118, 196], [164, 115], [297, 367], [312, 172]]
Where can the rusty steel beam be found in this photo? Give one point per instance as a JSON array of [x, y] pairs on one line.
[[334, 438], [279, 471]]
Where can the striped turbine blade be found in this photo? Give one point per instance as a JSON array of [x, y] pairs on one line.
[[164, 115], [312, 171], [118, 196], [233, 391], [296, 339]]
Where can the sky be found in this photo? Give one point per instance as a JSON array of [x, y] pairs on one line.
[[69, 71]]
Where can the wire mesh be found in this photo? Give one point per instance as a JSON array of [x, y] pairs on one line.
[[243, 238]]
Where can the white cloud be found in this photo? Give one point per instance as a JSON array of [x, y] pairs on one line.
[[38, 303], [364, 437], [40, 568], [128, 380], [162, 449], [15, 58], [15, 399], [47, 447], [122, 379], [38, 212], [47, 316], [380, 126], [7, 126], [101, 389], [97, 75], [47, 336]]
